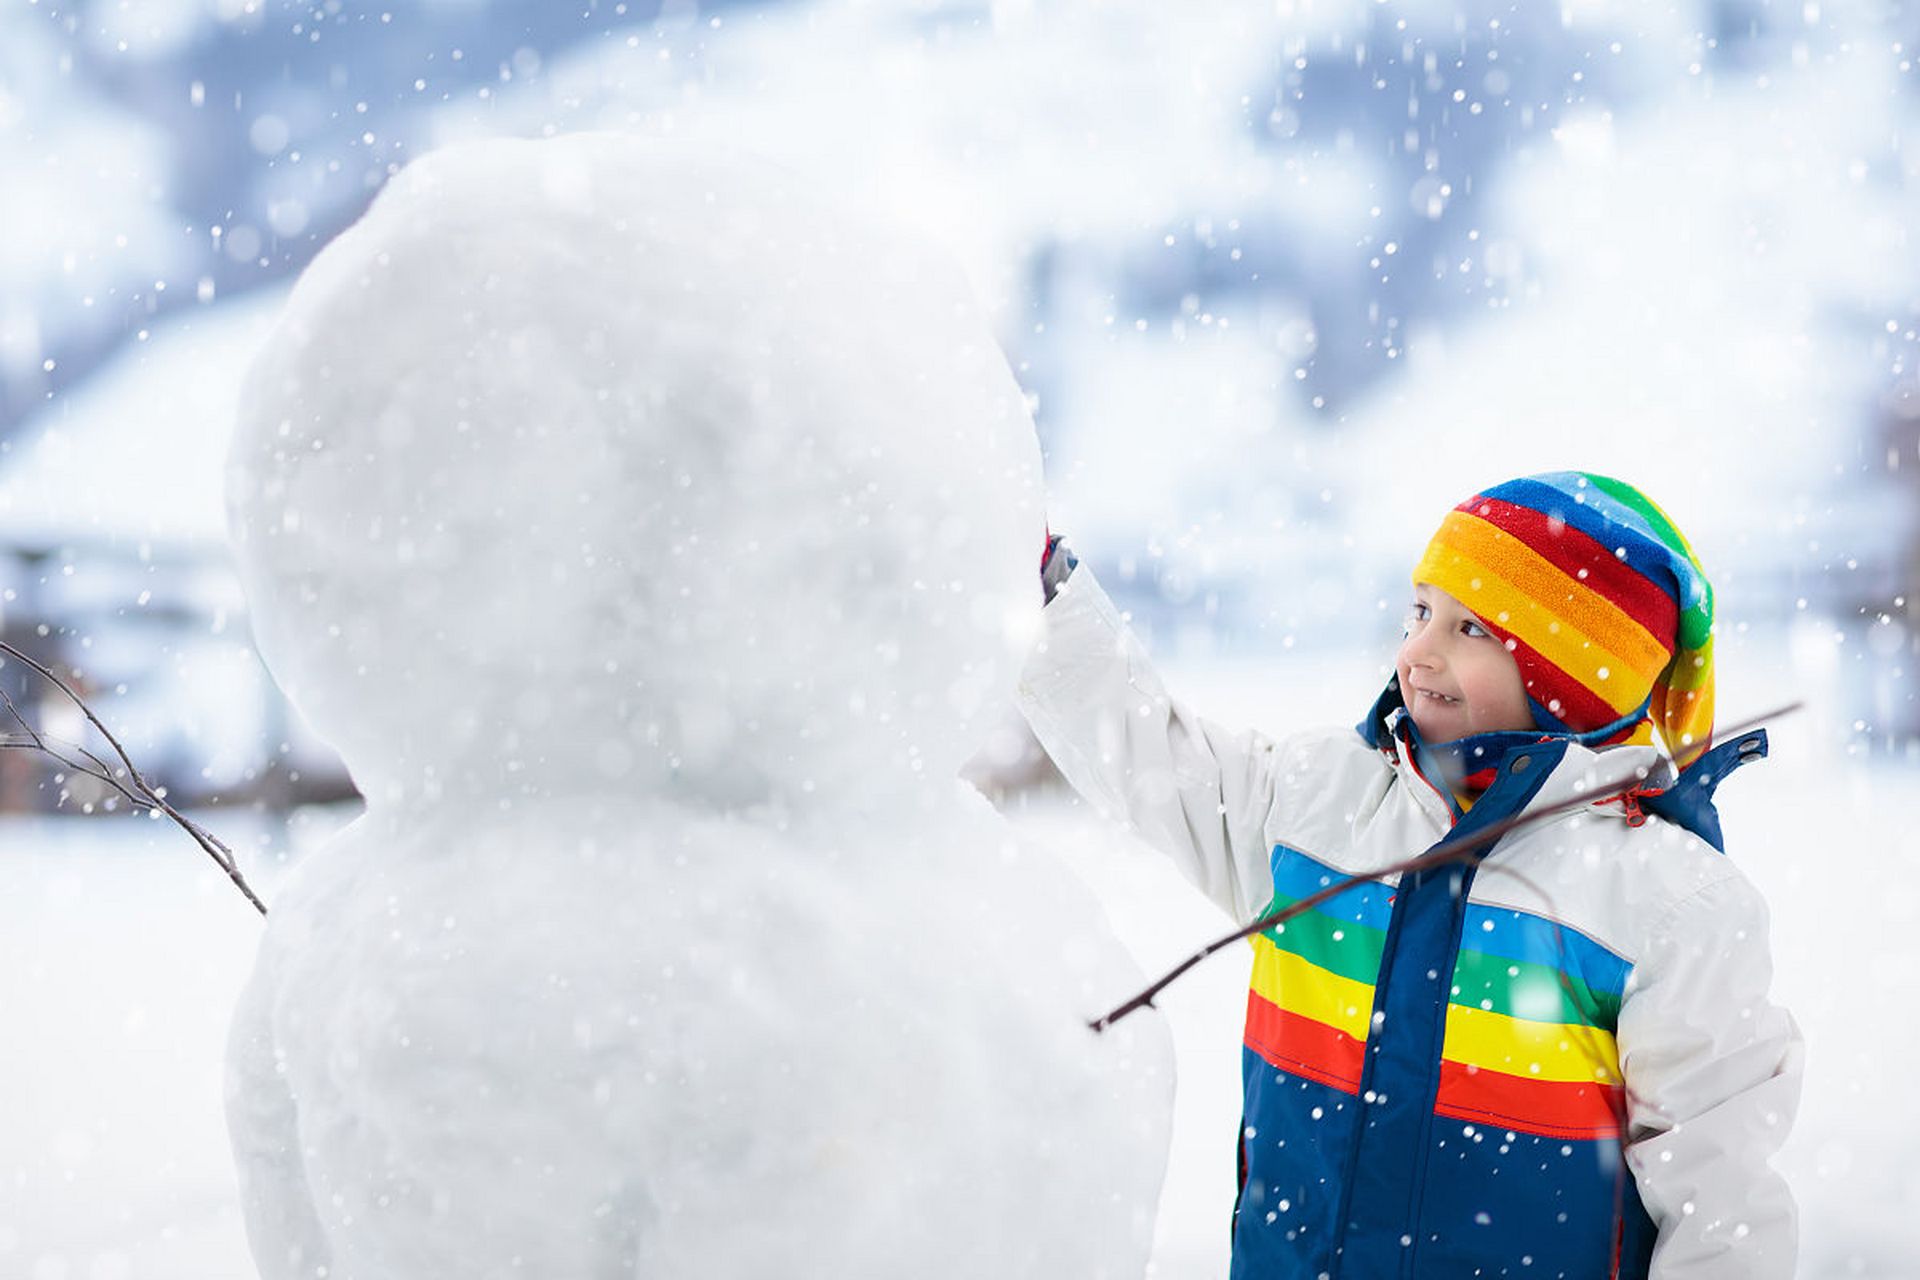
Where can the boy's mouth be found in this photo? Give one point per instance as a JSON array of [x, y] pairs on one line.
[[1428, 695]]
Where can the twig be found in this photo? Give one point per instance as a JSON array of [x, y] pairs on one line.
[[33, 739], [140, 792], [94, 770], [38, 741], [1460, 852]]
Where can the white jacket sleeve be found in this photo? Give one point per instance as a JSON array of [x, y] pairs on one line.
[[1196, 791], [1712, 1071]]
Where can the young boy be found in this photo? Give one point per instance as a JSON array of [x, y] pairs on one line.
[[1556, 1058]]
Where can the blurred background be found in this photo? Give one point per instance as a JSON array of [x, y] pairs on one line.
[[1283, 280]]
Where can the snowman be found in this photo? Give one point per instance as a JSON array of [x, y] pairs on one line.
[[651, 538]]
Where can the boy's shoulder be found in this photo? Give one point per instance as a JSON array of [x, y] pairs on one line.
[[1324, 757], [1330, 786], [1683, 870], [1331, 740], [1628, 880]]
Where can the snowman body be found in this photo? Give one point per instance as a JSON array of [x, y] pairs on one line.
[[648, 535]]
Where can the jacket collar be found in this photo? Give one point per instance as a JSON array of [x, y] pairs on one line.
[[1636, 777]]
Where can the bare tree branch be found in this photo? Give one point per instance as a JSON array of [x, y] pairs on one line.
[[1465, 850], [136, 788]]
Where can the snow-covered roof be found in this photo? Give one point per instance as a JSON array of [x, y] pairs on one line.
[[137, 454]]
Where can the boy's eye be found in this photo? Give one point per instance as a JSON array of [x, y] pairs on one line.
[[1475, 630], [1417, 612]]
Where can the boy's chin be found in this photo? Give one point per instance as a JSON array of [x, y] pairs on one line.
[[1437, 727]]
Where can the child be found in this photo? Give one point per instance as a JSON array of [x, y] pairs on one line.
[[1555, 1058]]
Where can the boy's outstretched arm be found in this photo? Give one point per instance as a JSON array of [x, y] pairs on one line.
[[1196, 791], [1713, 1079]]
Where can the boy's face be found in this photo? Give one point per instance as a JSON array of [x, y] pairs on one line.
[[1456, 676]]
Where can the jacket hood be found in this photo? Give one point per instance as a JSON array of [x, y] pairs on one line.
[[1684, 798]]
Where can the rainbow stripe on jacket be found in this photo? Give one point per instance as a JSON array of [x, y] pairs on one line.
[[1432, 1083], [1529, 1024], [1599, 598]]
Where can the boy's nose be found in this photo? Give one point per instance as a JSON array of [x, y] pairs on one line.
[[1419, 651]]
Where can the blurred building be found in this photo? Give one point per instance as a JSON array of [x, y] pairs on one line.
[[114, 574]]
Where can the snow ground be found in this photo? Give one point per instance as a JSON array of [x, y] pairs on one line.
[[121, 952]]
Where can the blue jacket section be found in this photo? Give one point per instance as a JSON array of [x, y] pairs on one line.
[[1377, 1184]]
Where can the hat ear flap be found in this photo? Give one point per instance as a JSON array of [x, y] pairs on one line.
[[1683, 701]]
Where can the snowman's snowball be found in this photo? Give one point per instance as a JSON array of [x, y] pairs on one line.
[[603, 461], [620, 1038]]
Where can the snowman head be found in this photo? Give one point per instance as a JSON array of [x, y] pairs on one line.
[[595, 463]]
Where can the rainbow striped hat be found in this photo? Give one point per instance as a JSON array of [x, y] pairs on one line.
[[1597, 596]]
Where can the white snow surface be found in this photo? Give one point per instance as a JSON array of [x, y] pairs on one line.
[[674, 948], [133, 456]]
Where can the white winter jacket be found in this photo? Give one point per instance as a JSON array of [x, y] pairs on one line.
[[1442, 1073]]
